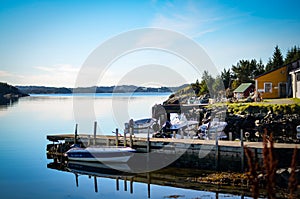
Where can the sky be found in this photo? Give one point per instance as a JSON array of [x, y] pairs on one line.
[[46, 42]]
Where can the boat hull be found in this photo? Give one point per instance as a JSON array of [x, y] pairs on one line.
[[100, 154]]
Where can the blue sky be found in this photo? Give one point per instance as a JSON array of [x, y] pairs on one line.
[[45, 42]]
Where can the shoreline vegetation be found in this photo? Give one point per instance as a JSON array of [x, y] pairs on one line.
[[9, 93], [96, 89]]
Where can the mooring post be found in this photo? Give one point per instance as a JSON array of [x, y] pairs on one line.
[[95, 132], [130, 132], [217, 152], [75, 135], [117, 137], [89, 140], [242, 150], [130, 137], [148, 140], [124, 138]]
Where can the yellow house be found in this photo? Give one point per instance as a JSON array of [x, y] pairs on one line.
[[272, 84]]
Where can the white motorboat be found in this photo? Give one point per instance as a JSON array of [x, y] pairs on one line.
[[141, 127], [100, 154]]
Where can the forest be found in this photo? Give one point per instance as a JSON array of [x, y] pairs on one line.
[[241, 72]]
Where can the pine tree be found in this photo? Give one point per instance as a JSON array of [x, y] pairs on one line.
[[292, 55], [277, 58], [226, 77], [276, 61]]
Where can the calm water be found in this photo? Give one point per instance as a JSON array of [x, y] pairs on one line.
[[25, 124]]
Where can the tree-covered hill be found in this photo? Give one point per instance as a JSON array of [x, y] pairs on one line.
[[9, 93]]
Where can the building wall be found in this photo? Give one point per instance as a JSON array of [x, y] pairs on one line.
[[276, 78], [295, 83], [245, 94]]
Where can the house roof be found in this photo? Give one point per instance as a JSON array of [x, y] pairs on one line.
[[269, 71], [242, 88]]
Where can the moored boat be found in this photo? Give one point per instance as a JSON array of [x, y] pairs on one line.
[[142, 127], [100, 154]]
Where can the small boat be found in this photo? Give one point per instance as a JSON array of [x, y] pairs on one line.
[[211, 129], [100, 154], [142, 126]]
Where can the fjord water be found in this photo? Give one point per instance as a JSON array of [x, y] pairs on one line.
[[24, 126]]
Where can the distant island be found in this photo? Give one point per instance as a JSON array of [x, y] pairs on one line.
[[9, 93], [95, 89]]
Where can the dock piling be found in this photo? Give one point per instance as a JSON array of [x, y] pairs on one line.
[[117, 137], [148, 140], [130, 132], [95, 132], [125, 144], [217, 152], [76, 134], [242, 150]]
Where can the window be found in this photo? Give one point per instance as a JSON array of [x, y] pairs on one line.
[[298, 77], [268, 87]]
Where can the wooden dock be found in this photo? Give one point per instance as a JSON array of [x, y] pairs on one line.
[[194, 153]]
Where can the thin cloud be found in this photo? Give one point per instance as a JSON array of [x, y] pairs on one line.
[[57, 75], [59, 68], [5, 74], [192, 19]]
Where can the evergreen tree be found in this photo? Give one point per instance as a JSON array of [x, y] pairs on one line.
[[277, 58], [217, 86], [276, 61], [269, 65], [245, 70], [226, 77], [259, 68], [292, 55]]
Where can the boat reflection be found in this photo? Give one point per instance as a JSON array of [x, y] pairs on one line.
[[172, 177]]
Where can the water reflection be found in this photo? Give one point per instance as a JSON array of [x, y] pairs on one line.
[[5, 102], [167, 177]]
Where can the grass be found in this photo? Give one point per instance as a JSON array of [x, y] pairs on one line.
[[296, 100]]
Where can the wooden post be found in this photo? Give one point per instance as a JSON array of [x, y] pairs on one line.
[[75, 135], [181, 133], [95, 132], [125, 144], [242, 150], [89, 140], [130, 137], [117, 137], [96, 185], [130, 132], [217, 152], [230, 136], [148, 140]]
